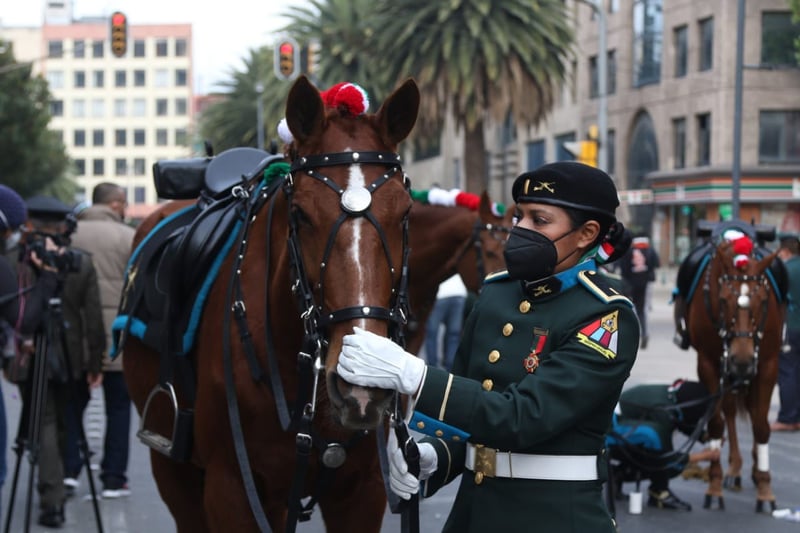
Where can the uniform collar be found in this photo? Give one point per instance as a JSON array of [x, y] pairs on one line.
[[564, 280]]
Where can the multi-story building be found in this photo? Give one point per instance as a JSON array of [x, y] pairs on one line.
[[116, 115], [670, 95]]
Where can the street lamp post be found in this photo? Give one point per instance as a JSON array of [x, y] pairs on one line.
[[260, 115], [737, 112], [598, 6]]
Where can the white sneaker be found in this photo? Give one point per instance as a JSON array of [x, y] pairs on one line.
[[120, 492], [71, 482]]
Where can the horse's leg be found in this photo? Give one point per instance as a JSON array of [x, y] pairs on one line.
[[357, 502], [733, 476], [707, 373], [759, 411], [181, 487]]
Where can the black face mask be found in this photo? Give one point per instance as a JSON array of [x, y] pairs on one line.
[[530, 255]]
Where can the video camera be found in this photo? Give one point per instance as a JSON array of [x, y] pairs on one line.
[[63, 260]]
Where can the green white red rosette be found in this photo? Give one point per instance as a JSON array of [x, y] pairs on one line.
[[454, 198]]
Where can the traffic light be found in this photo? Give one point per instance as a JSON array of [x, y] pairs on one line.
[[287, 59], [119, 34], [588, 153]]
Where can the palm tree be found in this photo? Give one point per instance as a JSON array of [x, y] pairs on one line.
[[482, 59], [345, 37], [233, 120]]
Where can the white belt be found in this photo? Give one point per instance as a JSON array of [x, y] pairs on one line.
[[494, 463]]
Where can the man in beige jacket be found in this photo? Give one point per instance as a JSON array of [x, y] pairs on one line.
[[103, 233]]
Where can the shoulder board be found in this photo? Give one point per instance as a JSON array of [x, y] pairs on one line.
[[596, 284], [496, 276]]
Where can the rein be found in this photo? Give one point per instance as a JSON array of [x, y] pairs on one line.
[[476, 243], [354, 203]]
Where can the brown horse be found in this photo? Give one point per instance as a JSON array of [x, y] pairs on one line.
[[445, 241], [332, 238], [735, 322]]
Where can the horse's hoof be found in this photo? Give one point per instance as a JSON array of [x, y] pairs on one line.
[[709, 500], [760, 506], [732, 483]]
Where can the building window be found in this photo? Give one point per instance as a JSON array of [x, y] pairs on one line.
[[707, 44], [79, 137], [120, 167], [139, 107], [120, 107], [180, 47], [78, 48], [680, 36], [162, 78], [120, 78], [139, 195], [80, 166], [161, 137], [678, 142], [648, 26], [120, 137], [611, 151], [98, 167], [161, 48], [79, 108], [161, 107], [594, 82], [56, 108], [138, 137], [98, 108], [79, 79], [180, 77], [611, 77], [55, 48], [536, 153], [779, 136], [98, 78], [139, 168], [98, 137], [139, 78], [138, 48], [55, 79], [97, 48], [778, 35], [181, 107], [704, 139], [562, 154], [181, 137]]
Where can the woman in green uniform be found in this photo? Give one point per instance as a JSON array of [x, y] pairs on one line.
[[539, 370]]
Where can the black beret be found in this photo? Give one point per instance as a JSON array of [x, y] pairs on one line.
[[568, 184], [47, 208]]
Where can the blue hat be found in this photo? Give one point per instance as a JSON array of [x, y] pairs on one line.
[[12, 209]]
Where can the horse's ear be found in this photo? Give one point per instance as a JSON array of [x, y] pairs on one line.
[[764, 264], [305, 111], [485, 208], [398, 114]]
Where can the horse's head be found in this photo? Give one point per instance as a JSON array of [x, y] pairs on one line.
[[348, 219], [743, 304]]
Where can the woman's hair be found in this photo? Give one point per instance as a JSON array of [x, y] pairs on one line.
[[612, 232]]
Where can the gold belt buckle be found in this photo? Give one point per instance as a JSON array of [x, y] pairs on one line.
[[485, 462]]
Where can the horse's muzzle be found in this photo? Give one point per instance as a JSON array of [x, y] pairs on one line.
[[357, 407]]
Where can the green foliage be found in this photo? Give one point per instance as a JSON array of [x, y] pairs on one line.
[[32, 158], [795, 7]]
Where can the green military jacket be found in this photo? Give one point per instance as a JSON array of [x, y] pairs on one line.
[[539, 371]]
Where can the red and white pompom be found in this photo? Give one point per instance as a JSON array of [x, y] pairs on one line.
[[284, 132], [347, 97], [742, 247]]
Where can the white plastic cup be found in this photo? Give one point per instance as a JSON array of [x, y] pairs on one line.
[[635, 503]]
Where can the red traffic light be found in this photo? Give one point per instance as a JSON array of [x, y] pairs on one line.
[[118, 19], [287, 59], [119, 34], [286, 49]]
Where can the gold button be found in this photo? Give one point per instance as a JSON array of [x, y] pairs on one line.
[[508, 329], [439, 432], [478, 478], [420, 425], [524, 306], [494, 356], [456, 438], [488, 384]]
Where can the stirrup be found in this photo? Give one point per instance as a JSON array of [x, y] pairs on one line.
[[179, 447]]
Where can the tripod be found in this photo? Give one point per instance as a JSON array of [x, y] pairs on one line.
[[29, 434]]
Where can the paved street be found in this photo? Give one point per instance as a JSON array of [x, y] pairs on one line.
[[661, 362]]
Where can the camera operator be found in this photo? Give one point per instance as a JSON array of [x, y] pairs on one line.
[[82, 322], [21, 308]]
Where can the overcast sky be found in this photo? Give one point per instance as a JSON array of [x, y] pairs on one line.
[[222, 35]]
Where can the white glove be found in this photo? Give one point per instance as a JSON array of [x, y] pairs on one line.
[[370, 360], [401, 482]]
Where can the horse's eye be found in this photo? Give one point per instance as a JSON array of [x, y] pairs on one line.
[[300, 216]]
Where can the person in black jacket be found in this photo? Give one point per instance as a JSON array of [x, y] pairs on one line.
[[638, 269], [21, 308]]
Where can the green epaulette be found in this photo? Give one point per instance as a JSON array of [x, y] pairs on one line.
[[599, 285], [496, 276]]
